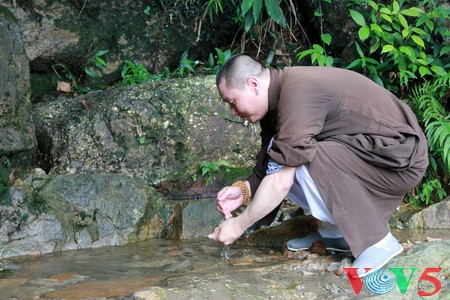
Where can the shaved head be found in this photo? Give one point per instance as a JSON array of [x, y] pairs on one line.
[[238, 69]]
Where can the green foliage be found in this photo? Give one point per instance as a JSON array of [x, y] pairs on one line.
[[133, 73], [251, 11], [95, 64], [318, 56], [426, 101], [187, 66], [211, 8], [318, 53], [210, 169], [427, 193], [428, 106], [213, 66], [400, 43], [65, 74]]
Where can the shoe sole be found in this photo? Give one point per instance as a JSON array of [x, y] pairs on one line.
[[384, 263], [328, 249]]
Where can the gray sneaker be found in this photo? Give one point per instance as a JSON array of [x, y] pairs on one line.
[[304, 243], [376, 257]]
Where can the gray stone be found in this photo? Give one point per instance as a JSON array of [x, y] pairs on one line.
[[16, 127], [435, 216], [158, 131], [200, 218]]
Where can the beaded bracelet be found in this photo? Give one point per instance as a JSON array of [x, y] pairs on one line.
[[245, 191]]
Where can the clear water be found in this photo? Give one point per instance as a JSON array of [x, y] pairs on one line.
[[115, 272]]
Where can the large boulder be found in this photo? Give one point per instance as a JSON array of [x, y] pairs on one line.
[[63, 212], [16, 127], [434, 216], [158, 131]]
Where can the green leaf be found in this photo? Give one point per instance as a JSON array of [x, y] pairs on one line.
[[419, 31], [387, 48], [408, 51], [257, 8], [372, 61], [387, 18], [412, 12], [91, 73], [364, 32], [274, 11], [329, 61], [101, 52], [385, 10], [439, 70], [396, 7], [248, 22], [376, 29], [374, 47], [403, 21], [444, 50], [318, 48], [326, 38], [355, 63], [418, 40], [246, 5], [423, 71], [358, 48], [405, 32], [357, 17], [374, 5]]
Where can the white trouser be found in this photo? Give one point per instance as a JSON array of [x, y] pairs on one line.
[[304, 192]]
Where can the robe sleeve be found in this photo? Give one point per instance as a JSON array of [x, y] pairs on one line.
[[302, 110], [262, 159]]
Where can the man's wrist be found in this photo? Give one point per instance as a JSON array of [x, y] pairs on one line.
[[244, 186]]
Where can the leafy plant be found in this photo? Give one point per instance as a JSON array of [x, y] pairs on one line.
[[251, 12], [133, 73], [63, 73], [427, 103], [400, 43], [318, 53], [210, 169], [427, 193], [187, 66], [97, 62], [222, 56]]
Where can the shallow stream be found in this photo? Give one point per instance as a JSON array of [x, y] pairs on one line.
[[186, 269]]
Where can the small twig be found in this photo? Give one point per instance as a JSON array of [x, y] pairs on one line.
[[84, 4]]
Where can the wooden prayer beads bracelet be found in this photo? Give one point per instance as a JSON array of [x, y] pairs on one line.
[[245, 191]]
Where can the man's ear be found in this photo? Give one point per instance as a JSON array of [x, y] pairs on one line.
[[253, 84]]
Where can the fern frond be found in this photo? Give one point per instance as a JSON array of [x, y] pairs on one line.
[[427, 99]]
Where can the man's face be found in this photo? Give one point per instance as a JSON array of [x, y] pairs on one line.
[[247, 103]]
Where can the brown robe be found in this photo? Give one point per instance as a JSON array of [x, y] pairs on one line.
[[363, 147]]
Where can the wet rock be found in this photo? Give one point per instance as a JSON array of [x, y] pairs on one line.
[[154, 293], [276, 236], [16, 127], [7, 265], [200, 218], [434, 216]]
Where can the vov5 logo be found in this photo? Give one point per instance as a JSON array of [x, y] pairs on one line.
[[383, 281]]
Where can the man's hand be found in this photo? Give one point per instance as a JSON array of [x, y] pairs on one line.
[[227, 232], [228, 200]]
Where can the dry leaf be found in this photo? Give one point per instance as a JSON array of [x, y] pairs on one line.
[[63, 87]]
